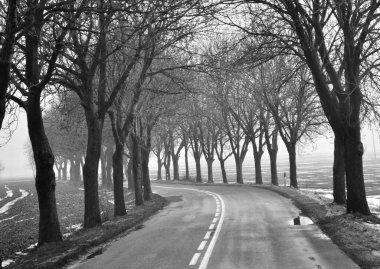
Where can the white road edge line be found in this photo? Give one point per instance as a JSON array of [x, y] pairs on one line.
[[211, 246]]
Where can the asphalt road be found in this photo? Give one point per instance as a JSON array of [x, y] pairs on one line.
[[222, 227]]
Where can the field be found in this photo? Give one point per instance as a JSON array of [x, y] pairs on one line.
[[19, 214], [19, 207], [314, 174]]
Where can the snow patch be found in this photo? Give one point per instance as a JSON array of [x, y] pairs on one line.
[[9, 193], [32, 246], [9, 218], [75, 227], [22, 220], [321, 236], [7, 206], [6, 262]]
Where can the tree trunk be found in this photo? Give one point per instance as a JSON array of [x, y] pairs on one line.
[[145, 173], [75, 165], [339, 184], [118, 189], [137, 171], [131, 180], [258, 174], [49, 228], [159, 166], [8, 41], [257, 154], [109, 159], [197, 158], [187, 174], [356, 196], [223, 168], [64, 170], [210, 177], [293, 166], [59, 169], [273, 167], [72, 169], [239, 170], [90, 170], [103, 168], [159, 171], [175, 167]]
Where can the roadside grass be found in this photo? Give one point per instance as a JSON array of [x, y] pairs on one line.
[[19, 234]]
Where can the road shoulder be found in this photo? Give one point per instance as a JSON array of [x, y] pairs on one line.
[[358, 236]]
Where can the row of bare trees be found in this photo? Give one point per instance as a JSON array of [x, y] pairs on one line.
[[283, 63], [239, 107], [113, 56]]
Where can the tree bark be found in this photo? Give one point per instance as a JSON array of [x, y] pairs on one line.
[[273, 167], [118, 188], [293, 166], [187, 174], [159, 169], [356, 196], [339, 184], [137, 171], [6, 54], [210, 176], [197, 159], [145, 174], [257, 158], [64, 170], [59, 169], [239, 170], [223, 168], [90, 169], [75, 170], [49, 228], [103, 168], [175, 167], [109, 160], [131, 180], [257, 154]]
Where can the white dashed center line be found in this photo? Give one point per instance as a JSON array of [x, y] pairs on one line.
[[213, 231]]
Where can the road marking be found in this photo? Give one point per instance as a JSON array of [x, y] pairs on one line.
[[211, 246], [207, 235], [211, 226], [202, 245], [220, 212], [195, 258]]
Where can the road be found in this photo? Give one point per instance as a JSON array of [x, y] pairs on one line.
[[221, 227]]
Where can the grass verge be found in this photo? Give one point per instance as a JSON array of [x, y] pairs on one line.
[[58, 254]]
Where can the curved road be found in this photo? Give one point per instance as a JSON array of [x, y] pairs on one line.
[[221, 227]]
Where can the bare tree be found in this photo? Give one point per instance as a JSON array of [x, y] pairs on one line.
[[7, 41], [337, 41], [36, 54]]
